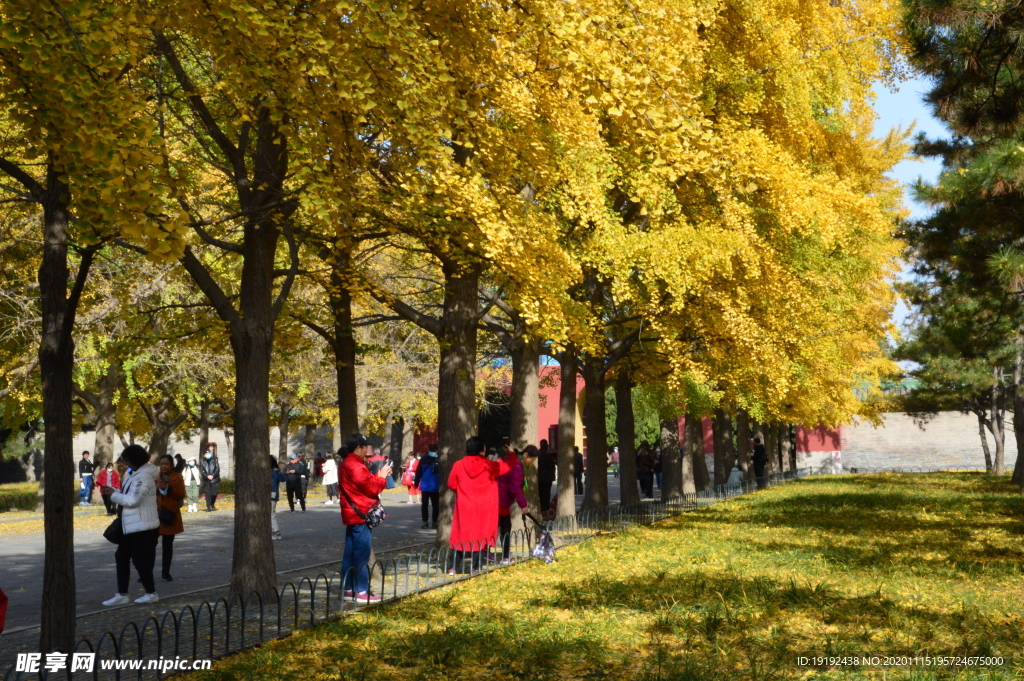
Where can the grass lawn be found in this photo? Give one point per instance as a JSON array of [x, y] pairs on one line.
[[901, 565]]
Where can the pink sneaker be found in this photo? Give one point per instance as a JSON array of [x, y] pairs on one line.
[[364, 597], [348, 593]]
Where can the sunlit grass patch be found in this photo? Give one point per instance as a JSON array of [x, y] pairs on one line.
[[887, 565]]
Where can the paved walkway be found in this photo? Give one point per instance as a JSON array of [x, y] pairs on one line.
[[202, 555]]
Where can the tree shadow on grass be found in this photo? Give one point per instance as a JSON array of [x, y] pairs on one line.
[[959, 523]]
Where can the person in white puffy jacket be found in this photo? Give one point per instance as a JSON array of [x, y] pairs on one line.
[[331, 480], [140, 523]]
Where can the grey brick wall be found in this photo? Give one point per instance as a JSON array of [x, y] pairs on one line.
[[949, 439]]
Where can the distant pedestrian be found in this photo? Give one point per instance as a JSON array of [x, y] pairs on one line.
[[170, 488], [108, 478], [613, 461], [209, 468], [510, 491], [85, 485], [360, 491], [658, 467], [760, 461], [577, 470], [179, 464], [276, 478], [546, 466], [428, 477], [193, 485], [735, 477], [645, 469], [330, 469], [294, 472], [140, 524], [409, 479], [474, 479], [318, 468]]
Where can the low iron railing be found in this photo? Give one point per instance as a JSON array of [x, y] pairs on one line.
[[178, 638]]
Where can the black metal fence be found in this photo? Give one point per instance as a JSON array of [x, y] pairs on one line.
[[165, 645]]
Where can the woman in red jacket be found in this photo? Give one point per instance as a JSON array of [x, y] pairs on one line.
[[475, 520], [108, 477], [359, 490]]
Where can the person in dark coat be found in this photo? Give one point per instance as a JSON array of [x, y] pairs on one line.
[[645, 461], [210, 470], [546, 466], [427, 479], [294, 472], [760, 461], [179, 463]]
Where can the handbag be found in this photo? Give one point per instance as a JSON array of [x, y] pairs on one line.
[[166, 516], [374, 517], [115, 531]]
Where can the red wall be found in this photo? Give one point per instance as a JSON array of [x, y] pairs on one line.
[[819, 439]]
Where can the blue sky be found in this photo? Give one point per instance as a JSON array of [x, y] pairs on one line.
[[902, 107]]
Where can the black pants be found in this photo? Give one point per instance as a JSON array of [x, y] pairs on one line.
[[579, 484], [426, 499], [111, 510], [505, 533], [293, 492], [463, 562], [544, 490], [211, 490], [332, 490], [646, 484], [139, 549], [759, 474], [167, 544]]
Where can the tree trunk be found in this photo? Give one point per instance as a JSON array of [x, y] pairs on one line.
[[689, 484], [204, 426], [771, 443], [344, 348], [284, 403], [525, 354], [525, 402], [106, 417], [1018, 409], [625, 430], [671, 460], [999, 465], [56, 364], [566, 432], [408, 437], [982, 425], [595, 494], [456, 390], [397, 443], [695, 446], [785, 448], [721, 429], [743, 444], [310, 441], [387, 434]]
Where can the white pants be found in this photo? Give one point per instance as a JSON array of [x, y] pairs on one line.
[[273, 517]]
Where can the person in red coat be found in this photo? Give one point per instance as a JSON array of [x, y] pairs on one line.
[[475, 520], [359, 490]]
